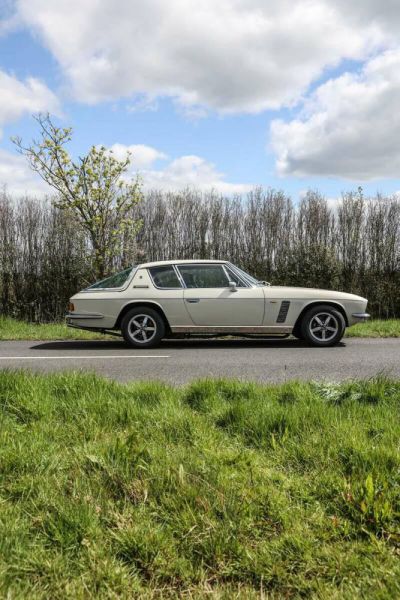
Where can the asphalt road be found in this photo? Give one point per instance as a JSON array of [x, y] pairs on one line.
[[181, 361]]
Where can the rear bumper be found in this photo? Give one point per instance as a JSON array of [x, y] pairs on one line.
[[70, 317], [361, 316], [90, 319], [84, 320]]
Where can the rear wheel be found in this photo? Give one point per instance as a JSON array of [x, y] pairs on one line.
[[322, 326], [142, 327]]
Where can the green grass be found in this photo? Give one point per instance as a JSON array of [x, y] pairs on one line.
[[378, 328], [221, 489], [11, 329]]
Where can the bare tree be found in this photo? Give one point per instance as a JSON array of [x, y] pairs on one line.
[[354, 246]]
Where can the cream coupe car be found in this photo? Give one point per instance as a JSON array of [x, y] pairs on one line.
[[151, 301]]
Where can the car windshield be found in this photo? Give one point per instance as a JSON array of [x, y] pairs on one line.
[[115, 281], [251, 280]]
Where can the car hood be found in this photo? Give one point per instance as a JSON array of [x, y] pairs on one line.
[[281, 291]]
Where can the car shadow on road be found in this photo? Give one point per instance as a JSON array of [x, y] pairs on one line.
[[176, 344]]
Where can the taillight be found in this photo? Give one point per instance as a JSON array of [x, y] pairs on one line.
[[71, 307]]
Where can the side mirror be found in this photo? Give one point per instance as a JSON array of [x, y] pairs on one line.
[[232, 286]]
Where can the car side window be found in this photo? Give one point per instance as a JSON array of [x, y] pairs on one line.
[[204, 276], [165, 277]]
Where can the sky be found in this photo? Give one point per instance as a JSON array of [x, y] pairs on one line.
[[227, 95]]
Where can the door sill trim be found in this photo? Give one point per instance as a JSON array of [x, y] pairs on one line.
[[270, 330]]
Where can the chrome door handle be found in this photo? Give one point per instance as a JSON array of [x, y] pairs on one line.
[[193, 300]]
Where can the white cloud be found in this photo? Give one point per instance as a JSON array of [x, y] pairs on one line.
[[348, 128], [143, 103], [191, 171], [230, 55], [19, 97], [383, 13], [9, 25], [142, 156], [238, 56], [174, 175], [177, 174], [18, 178], [9, 20]]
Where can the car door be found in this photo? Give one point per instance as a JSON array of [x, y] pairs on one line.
[[167, 291], [210, 301]]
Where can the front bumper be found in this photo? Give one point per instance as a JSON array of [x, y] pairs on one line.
[[361, 316]]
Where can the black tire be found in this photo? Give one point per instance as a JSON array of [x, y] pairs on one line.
[[297, 336], [322, 326], [140, 323], [296, 333]]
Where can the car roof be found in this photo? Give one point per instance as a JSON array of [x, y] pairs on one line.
[[161, 263]]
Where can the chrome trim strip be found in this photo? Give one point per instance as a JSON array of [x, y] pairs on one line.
[[230, 329], [179, 276], [364, 316], [81, 316]]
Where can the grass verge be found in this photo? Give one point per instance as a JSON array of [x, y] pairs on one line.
[[377, 328], [221, 489], [11, 329]]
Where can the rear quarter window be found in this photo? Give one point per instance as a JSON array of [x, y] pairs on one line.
[[114, 282]]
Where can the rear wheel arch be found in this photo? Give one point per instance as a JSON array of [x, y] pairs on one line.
[[145, 304], [335, 305]]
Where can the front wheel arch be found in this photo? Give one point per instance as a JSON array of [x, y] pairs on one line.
[[335, 305], [328, 334]]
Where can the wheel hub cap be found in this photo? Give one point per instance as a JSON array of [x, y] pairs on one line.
[[324, 326], [142, 328]]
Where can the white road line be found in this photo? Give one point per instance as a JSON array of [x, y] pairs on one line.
[[81, 357]]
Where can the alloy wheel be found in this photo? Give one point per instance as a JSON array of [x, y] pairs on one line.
[[323, 327], [142, 328]]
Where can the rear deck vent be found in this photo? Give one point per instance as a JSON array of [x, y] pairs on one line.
[[283, 311]]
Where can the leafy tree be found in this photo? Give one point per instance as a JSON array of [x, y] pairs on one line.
[[94, 188]]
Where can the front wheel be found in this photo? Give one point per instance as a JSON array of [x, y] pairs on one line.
[[322, 326], [142, 327], [297, 334]]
